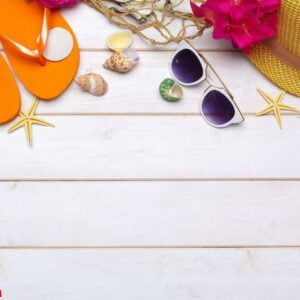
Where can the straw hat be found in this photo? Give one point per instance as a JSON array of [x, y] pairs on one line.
[[279, 58]]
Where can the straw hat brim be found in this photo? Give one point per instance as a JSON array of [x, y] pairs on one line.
[[282, 74]]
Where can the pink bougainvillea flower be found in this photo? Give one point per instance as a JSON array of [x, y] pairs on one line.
[[243, 22], [56, 4]]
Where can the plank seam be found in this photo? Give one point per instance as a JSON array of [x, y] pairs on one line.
[[296, 179], [150, 247], [151, 50], [142, 114]]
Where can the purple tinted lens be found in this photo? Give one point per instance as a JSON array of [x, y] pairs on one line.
[[217, 108], [186, 66]]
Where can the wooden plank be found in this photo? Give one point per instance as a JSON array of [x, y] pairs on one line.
[[227, 274], [92, 30], [99, 214], [137, 92], [134, 147]]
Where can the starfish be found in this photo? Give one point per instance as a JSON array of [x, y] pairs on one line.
[[275, 105], [27, 119]]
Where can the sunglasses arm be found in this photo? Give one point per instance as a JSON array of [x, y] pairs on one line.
[[217, 75]]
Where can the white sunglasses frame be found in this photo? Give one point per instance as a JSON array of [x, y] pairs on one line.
[[238, 116]]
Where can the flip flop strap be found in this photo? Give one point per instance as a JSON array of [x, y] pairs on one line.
[[41, 42]]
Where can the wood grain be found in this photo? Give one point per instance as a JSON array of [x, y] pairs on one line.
[[164, 274], [137, 92], [154, 147], [147, 214], [87, 211]]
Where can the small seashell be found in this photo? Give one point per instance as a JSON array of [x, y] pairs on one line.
[[140, 11], [140, 17], [122, 62], [122, 1], [119, 41], [92, 83], [116, 7], [170, 90]]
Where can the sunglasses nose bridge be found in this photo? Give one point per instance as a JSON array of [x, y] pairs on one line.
[[209, 80]]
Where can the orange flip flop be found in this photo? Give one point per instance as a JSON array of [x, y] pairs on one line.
[[10, 100], [25, 27]]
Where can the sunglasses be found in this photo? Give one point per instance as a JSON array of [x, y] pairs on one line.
[[188, 68]]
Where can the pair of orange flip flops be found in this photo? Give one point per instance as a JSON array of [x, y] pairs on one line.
[[27, 30]]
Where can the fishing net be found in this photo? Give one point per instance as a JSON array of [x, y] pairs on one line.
[[158, 22]]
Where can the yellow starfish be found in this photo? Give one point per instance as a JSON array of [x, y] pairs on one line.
[[275, 105], [27, 119]]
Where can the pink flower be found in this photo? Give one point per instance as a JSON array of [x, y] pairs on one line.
[[55, 4], [243, 22]]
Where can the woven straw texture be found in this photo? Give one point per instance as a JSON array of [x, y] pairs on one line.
[[283, 75]]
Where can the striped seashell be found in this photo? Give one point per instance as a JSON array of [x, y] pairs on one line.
[[92, 83]]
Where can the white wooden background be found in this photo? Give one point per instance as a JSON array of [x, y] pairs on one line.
[[131, 197]]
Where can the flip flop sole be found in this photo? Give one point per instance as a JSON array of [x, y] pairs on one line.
[[21, 21], [10, 100]]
